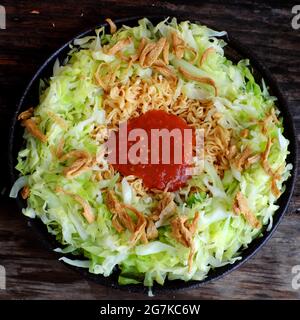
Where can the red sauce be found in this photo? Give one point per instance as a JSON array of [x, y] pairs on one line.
[[162, 173]]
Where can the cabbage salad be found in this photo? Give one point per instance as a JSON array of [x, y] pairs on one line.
[[106, 221]]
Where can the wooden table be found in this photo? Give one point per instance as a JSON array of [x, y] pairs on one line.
[[37, 28]]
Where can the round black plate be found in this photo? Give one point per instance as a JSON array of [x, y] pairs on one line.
[[235, 51]]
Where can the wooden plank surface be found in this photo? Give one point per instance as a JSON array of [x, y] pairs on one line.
[[265, 26]]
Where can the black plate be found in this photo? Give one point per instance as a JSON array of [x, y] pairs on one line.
[[235, 51]]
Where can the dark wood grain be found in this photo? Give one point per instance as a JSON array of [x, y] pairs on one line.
[[265, 26]]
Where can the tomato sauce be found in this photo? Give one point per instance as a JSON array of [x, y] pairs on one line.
[[160, 158]]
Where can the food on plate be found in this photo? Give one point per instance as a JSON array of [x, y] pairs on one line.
[[152, 221]]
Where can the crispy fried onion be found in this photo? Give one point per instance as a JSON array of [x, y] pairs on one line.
[[160, 67], [148, 55], [276, 192], [240, 160], [120, 45], [146, 51], [87, 210], [183, 232], [265, 164], [140, 48], [151, 52], [178, 45], [165, 53], [193, 56], [151, 230], [113, 27], [60, 148], [33, 129], [121, 219], [27, 121], [204, 80], [141, 229], [57, 152], [205, 55], [57, 119], [244, 133], [83, 161], [140, 226], [165, 209], [251, 160], [27, 114], [240, 206], [271, 117], [265, 123], [109, 80], [25, 192]]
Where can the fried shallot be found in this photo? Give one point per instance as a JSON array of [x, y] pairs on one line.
[[183, 232], [240, 206]]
